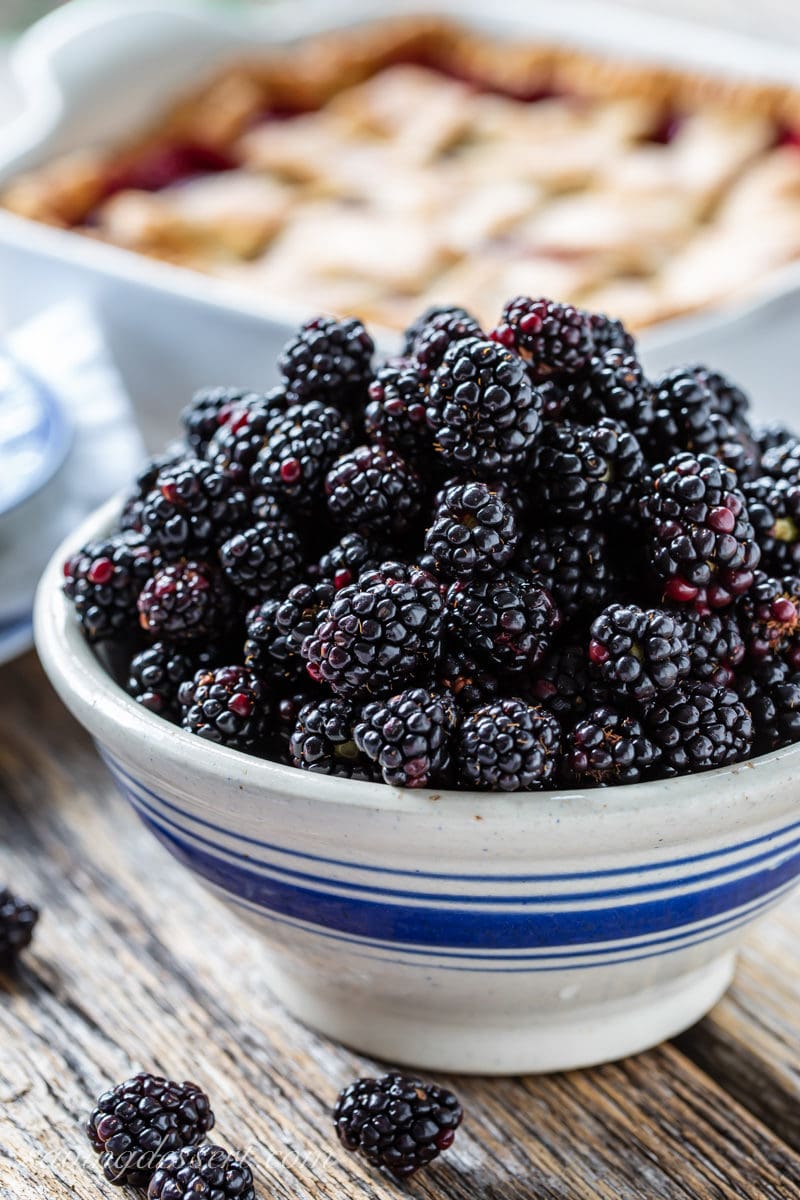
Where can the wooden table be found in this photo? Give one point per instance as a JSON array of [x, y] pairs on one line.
[[136, 967]]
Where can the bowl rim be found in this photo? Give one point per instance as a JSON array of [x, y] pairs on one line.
[[88, 689]]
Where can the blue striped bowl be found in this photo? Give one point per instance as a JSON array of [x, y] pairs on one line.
[[456, 931]]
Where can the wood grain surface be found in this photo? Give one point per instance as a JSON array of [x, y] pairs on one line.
[[136, 967]]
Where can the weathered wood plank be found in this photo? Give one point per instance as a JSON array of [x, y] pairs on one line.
[[136, 967]]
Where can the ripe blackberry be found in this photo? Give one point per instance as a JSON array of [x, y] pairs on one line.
[[783, 461], [408, 736], [397, 1123], [373, 491], [469, 681], [698, 726], [323, 741], [682, 407], [192, 509], [573, 563], [17, 923], [613, 385], [430, 316], [395, 414], [303, 445], [638, 652], [610, 334], [236, 445], [586, 473], [262, 560], [140, 1120], [716, 645], [209, 408], [439, 330], [701, 541], [608, 747], [735, 448], [184, 601], [103, 581], [227, 705], [769, 618], [277, 629], [508, 746], [352, 554], [768, 437], [156, 673], [329, 360], [726, 398], [144, 482], [208, 1171], [774, 508], [474, 531], [771, 691], [564, 683], [506, 620], [377, 634], [554, 339], [484, 415]]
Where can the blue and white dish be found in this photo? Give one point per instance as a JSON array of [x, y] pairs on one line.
[[457, 931]]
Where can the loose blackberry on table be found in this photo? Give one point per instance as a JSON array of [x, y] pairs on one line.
[[18, 920], [201, 1171], [503, 561]]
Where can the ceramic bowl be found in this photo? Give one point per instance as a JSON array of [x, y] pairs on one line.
[[458, 931]]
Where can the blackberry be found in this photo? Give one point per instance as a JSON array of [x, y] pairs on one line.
[[236, 445], [103, 581], [682, 407], [609, 334], [195, 1171], [769, 618], [771, 691], [638, 652], [608, 747], [373, 491], [328, 360], [506, 620], [469, 681], [508, 746], [323, 741], [395, 415], [474, 531], [262, 560], [156, 673], [408, 736], [564, 683], [613, 385], [377, 634], [434, 315], [184, 601], [227, 705], [192, 509], [726, 398], [277, 629], [209, 408], [698, 726], [140, 1120], [701, 541], [554, 339], [769, 437], [17, 923], [716, 645], [397, 1123], [131, 516], [735, 448], [573, 563], [303, 445], [484, 415], [344, 562], [783, 461], [586, 473], [774, 508], [439, 331]]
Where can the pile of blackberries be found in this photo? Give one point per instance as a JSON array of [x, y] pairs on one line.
[[502, 561]]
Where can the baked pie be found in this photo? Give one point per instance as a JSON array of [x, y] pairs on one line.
[[415, 162]]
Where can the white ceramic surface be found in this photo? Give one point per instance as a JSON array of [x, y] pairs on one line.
[[460, 931], [97, 68]]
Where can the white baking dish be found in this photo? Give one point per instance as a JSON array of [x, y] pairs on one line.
[[97, 69]]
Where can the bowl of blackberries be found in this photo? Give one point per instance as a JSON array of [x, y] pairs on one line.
[[470, 676]]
